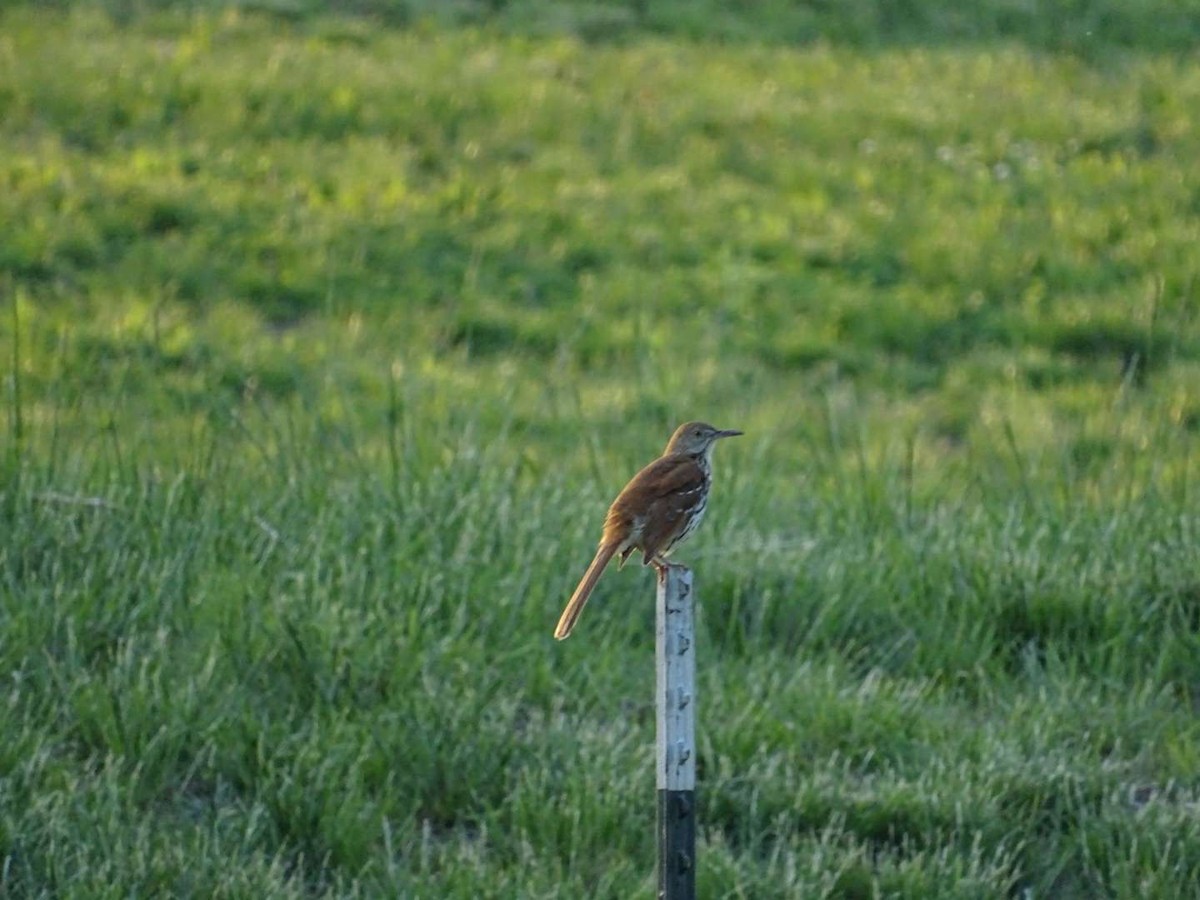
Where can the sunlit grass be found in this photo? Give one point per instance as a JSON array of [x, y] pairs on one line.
[[326, 342]]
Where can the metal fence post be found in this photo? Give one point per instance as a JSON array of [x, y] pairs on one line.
[[676, 750]]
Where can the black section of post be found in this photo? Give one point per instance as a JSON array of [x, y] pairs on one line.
[[676, 845]]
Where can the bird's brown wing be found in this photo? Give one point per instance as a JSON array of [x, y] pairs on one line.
[[662, 497]]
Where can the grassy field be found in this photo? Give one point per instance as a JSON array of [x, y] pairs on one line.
[[327, 338]]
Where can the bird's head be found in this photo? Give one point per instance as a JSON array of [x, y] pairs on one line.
[[696, 439]]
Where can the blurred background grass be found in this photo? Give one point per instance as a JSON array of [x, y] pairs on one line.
[[330, 329]]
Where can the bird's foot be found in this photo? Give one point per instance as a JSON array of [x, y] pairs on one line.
[[663, 566]]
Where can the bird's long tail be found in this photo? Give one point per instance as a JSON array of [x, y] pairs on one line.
[[575, 605]]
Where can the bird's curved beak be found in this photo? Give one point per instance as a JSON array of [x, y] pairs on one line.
[[729, 432]]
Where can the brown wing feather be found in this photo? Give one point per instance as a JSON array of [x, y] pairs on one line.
[[671, 516], [663, 493], [666, 475]]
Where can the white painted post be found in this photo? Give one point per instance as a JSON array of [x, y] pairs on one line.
[[676, 752]]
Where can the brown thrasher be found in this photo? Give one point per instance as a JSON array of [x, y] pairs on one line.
[[657, 510]]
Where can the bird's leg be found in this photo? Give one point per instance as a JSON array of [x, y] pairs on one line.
[[662, 565]]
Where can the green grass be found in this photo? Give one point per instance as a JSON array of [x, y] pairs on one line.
[[327, 338]]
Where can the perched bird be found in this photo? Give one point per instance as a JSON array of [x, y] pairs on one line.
[[657, 510]]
